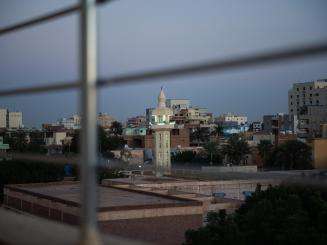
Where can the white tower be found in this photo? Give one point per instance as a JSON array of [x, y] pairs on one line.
[[161, 125]]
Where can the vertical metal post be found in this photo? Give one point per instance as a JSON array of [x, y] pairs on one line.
[[88, 161]]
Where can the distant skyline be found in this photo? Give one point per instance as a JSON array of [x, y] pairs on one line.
[[140, 35]]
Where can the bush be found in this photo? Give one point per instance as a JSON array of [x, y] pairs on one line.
[[290, 214]]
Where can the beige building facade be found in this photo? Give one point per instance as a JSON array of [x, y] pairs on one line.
[[3, 118], [15, 119]]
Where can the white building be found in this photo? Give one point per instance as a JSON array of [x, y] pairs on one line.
[[15, 119], [55, 138], [73, 122], [230, 117], [161, 125], [178, 104]]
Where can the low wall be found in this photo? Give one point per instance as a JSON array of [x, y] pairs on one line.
[[226, 169]]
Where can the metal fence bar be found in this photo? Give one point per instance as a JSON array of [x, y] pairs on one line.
[[43, 18], [279, 55], [40, 89], [88, 161], [272, 56]]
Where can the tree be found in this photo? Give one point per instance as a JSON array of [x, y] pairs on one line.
[[265, 149], [116, 128], [236, 149], [292, 154], [200, 135], [218, 131], [17, 141], [212, 150], [286, 214]]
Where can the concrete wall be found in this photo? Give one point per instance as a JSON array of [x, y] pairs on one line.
[[225, 169]]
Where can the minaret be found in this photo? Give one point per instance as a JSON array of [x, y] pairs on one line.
[[161, 125]]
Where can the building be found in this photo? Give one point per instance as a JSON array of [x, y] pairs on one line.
[[15, 119], [230, 117], [308, 102], [105, 121], [161, 126], [138, 121], [307, 94], [3, 118], [3, 149], [178, 104], [280, 121], [55, 137], [319, 153], [73, 122], [139, 215], [311, 121], [257, 127], [11, 119]]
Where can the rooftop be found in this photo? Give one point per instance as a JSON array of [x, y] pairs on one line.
[[110, 198]]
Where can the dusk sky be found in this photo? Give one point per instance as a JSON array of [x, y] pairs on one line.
[[136, 35]]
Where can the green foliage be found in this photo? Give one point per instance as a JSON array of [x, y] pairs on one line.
[[200, 135], [280, 215], [16, 140], [212, 152], [116, 128], [236, 149], [184, 156], [265, 149], [106, 142], [292, 154]]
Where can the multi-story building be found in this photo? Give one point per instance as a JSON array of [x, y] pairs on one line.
[[11, 119], [138, 121], [73, 122], [105, 120], [308, 102], [230, 117], [256, 127], [283, 122], [178, 104], [3, 118], [307, 94], [15, 120]]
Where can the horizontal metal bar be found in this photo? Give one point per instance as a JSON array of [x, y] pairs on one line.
[[210, 66], [273, 56], [43, 18], [40, 89]]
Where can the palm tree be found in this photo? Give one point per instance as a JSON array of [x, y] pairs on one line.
[[218, 131], [211, 149], [236, 149]]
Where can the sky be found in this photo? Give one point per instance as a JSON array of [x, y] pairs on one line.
[[140, 35]]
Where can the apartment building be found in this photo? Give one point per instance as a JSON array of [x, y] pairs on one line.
[[230, 117], [11, 119], [3, 118], [137, 121], [308, 102], [280, 121], [178, 104], [105, 120]]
